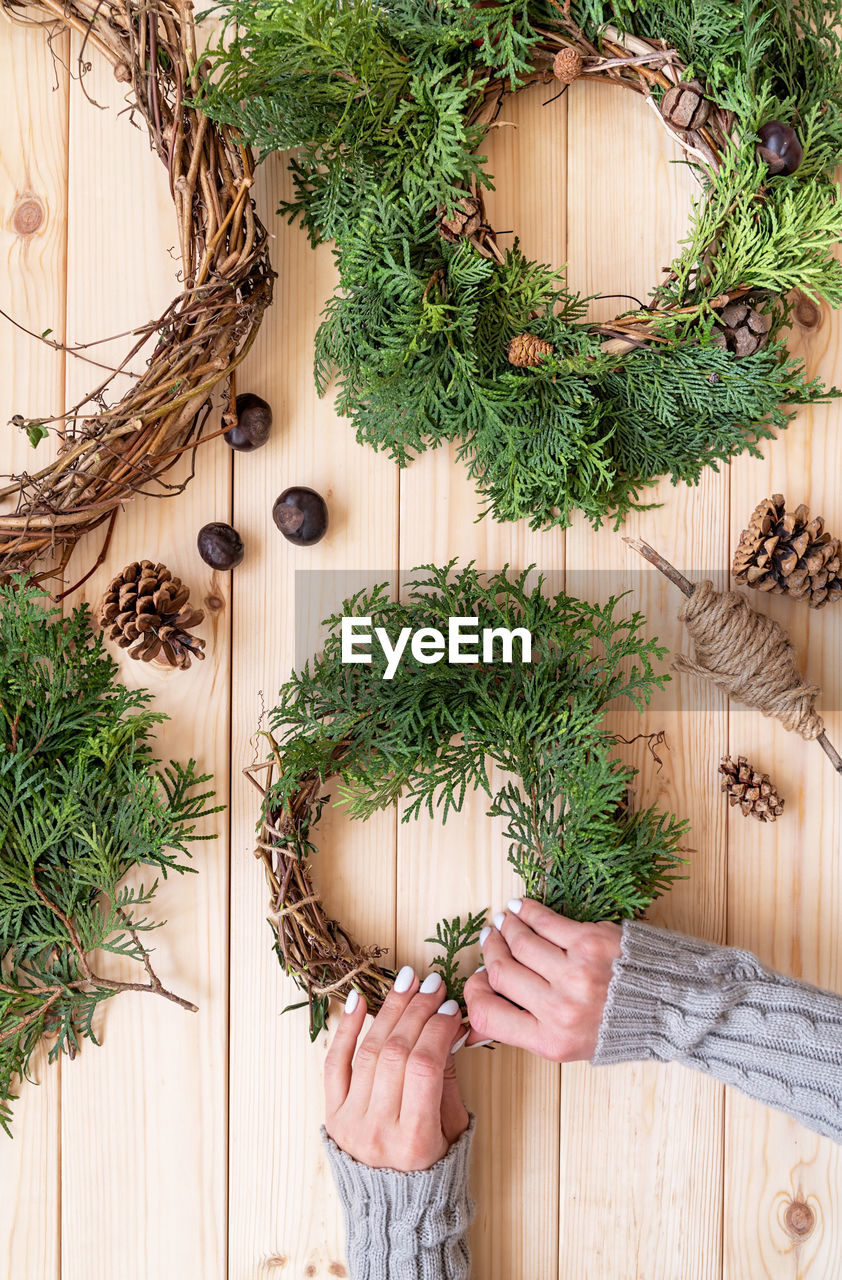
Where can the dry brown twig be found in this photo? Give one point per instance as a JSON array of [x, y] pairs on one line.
[[108, 456], [318, 950]]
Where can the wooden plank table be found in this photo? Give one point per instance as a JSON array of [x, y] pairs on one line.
[[187, 1145]]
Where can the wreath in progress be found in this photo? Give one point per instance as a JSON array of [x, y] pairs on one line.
[[427, 734], [112, 449], [437, 332]]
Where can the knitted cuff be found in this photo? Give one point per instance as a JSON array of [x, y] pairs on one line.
[[667, 991], [720, 1010], [406, 1226]]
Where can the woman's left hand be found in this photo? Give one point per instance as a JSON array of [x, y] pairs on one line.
[[397, 1104]]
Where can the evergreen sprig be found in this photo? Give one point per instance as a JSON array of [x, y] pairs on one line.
[[83, 800], [427, 736], [378, 99], [455, 936]]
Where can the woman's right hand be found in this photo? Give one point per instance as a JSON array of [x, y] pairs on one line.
[[397, 1104]]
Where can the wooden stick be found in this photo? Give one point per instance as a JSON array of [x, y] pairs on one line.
[[685, 585]]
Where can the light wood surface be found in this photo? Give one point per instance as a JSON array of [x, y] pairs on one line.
[[33, 236], [188, 1144]]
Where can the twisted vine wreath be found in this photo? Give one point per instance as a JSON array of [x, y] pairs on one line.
[[427, 735], [438, 333], [111, 453]]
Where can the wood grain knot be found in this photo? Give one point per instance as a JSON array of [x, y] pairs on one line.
[[807, 314], [799, 1219], [337, 1269], [28, 216], [310, 1269], [214, 603]]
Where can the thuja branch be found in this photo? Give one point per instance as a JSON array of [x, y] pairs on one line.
[[112, 984], [83, 802]]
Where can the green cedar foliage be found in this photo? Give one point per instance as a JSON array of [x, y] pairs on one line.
[[428, 735], [82, 802], [374, 99]]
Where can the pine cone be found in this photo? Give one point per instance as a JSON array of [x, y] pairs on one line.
[[685, 105], [145, 610], [744, 330], [752, 791], [525, 349], [567, 65], [787, 552], [464, 221]]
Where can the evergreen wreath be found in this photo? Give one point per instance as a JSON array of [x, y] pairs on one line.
[[82, 801], [427, 736], [437, 333], [115, 448]]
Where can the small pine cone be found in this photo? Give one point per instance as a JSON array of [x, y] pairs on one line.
[[525, 349], [464, 221], [752, 791], [685, 106], [145, 611], [786, 552], [743, 330], [567, 65]]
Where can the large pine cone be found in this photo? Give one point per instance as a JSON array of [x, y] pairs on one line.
[[525, 350], [786, 552], [743, 330], [145, 611], [752, 791]]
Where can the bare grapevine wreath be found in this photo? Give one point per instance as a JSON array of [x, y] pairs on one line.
[[442, 330], [110, 452]]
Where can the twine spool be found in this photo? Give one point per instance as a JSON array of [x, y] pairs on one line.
[[750, 656]]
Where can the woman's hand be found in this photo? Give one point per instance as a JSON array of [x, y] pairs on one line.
[[397, 1104], [544, 982]]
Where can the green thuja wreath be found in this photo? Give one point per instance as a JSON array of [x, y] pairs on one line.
[[428, 735], [83, 801], [386, 104]]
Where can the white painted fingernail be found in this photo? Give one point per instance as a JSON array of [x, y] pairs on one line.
[[482, 937], [431, 983], [480, 969], [498, 920], [515, 905], [404, 979], [449, 1007], [479, 1044], [352, 1001], [461, 1041]]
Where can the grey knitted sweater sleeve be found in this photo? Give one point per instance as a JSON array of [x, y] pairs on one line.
[[720, 1010], [406, 1226]]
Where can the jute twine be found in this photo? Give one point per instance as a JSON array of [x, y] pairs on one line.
[[750, 656]]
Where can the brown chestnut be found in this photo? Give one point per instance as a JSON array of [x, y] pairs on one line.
[[779, 148], [220, 545], [301, 515], [253, 426]]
